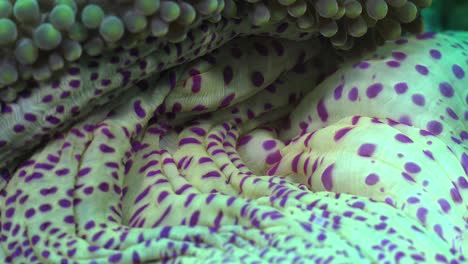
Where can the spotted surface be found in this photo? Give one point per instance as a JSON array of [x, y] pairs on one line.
[[50, 106], [269, 167]]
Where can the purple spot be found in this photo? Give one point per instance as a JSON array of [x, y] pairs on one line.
[[52, 119], [295, 162], [60, 108], [115, 258], [366, 150], [380, 226], [273, 158], [464, 135], [435, 127], [88, 190], [338, 92], [269, 144], [372, 179], [94, 76], [161, 197], [194, 218], [353, 94], [374, 90], [64, 203], [407, 177], [138, 109], [418, 99], [83, 172], [451, 113], [458, 71], [10, 212], [462, 182], [425, 133], [199, 108], [30, 117], [65, 94], [455, 194], [198, 131], [322, 111], [401, 41], [428, 154], [327, 177], [355, 120], [227, 75], [196, 83], [30, 213], [188, 140], [74, 84], [435, 54], [413, 200], [45, 207], [106, 149], [257, 78], [393, 64], [421, 69], [406, 120], [401, 88], [403, 138], [62, 172], [426, 35], [422, 214], [398, 55], [363, 65], [227, 100], [103, 186], [444, 205], [441, 258], [211, 174], [244, 140], [341, 133], [177, 107], [440, 233], [446, 89], [389, 201], [172, 79], [105, 82], [18, 128], [74, 71]]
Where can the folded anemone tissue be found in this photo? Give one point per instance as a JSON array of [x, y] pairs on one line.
[[233, 131]]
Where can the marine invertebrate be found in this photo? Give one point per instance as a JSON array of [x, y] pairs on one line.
[[371, 24], [230, 147], [119, 183]]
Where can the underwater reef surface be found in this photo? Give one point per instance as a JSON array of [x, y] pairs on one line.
[[231, 132]]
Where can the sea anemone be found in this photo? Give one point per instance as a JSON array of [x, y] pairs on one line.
[[231, 132]]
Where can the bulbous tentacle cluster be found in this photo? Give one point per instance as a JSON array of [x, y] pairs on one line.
[[40, 37]]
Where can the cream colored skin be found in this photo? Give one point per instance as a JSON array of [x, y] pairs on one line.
[[141, 189]]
